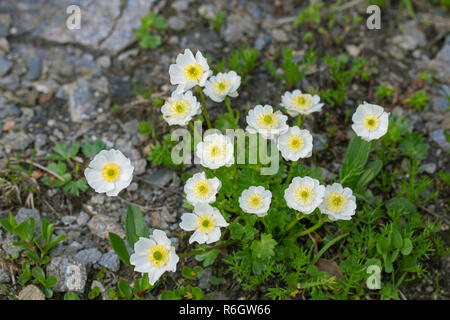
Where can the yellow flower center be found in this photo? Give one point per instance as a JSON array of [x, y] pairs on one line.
[[371, 122], [295, 142], [111, 172], [180, 108], [203, 189], [302, 102], [267, 120], [216, 151], [336, 202], [222, 85], [254, 200], [205, 223], [193, 72], [304, 195], [158, 255]]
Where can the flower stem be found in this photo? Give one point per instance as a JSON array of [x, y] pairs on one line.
[[291, 172], [313, 228], [205, 111], [299, 120], [221, 245], [294, 221], [227, 102]]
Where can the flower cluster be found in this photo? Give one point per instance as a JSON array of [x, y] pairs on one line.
[[110, 171]]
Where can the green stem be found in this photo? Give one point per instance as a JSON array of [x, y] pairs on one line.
[[313, 228], [294, 222], [299, 120], [205, 111], [195, 252], [291, 172], [227, 102]]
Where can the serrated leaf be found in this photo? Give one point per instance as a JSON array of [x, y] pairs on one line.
[[91, 148], [264, 248], [208, 257]]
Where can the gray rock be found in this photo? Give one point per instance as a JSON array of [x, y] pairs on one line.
[[87, 256], [237, 27], [24, 213], [17, 140], [110, 261], [428, 168], [5, 66], [67, 220], [31, 292], [83, 218], [100, 225], [439, 103], [162, 177], [280, 36], [4, 276], [208, 11], [34, 68], [176, 23], [180, 5], [9, 247], [441, 63], [123, 34], [100, 286], [319, 142], [411, 36], [205, 279], [262, 41], [439, 137], [40, 140], [70, 273]]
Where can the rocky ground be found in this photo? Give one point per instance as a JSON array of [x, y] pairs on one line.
[[59, 85]]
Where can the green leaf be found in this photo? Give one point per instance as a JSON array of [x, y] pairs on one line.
[[190, 273], [48, 293], [159, 22], [236, 230], [91, 148], [55, 241], [26, 273], [370, 172], [396, 239], [264, 248], [125, 289], [151, 41], [355, 159], [401, 204], [415, 146], [119, 248], [208, 257], [71, 296], [407, 247], [383, 244], [135, 226], [74, 187], [74, 149], [169, 295], [25, 230], [51, 282], [197, 293]]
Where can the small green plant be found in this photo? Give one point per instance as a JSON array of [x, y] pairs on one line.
[[384, 92], [160, 153], [36, 247], [310, 15], [341, 76], [146, 35], [37, 275], [218, 20], [419, 100], [243, 60], [293, 71]]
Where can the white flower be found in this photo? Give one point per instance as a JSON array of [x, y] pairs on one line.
[[206, 221], [255, 200], [189, 71], [339, 203], [154, 256], [215, 151], [266, 122], [180, 108], [304, 194], [297, 102], [295, 144], [222, 85], [110, 171], [370, 121], [198, 189]]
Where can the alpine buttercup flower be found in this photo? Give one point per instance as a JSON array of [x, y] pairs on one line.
[[297, 103], [255, 200], [266, 122], [199, 189], [370, 121], [154, 255], [295, 143], [222, 85], [110, 171], [180, 108], [339, 203], [304, 194], [206, 221], [189, 71], [215, 151]]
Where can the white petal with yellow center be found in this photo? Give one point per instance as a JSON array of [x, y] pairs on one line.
[[297, 103], [180, 108], [339, 203], [295, 143], [370, 121], [215, 151], [263, 120], [256, 200], [304, 194], [199, 189]]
